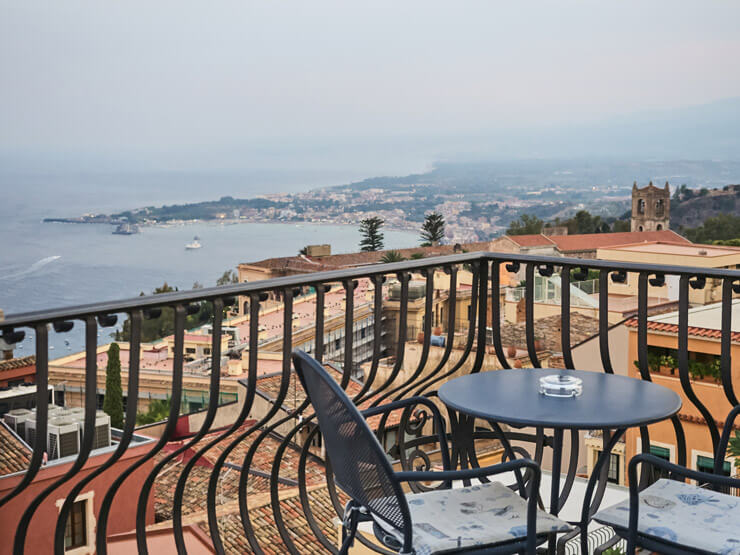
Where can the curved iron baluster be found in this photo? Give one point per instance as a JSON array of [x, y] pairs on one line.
[[181, 312], [496, 313], [277, 405], [428, 304], [377, 334], [251, 386], [683, 360], [529, 314], [403, 277], [131, 408], [726, 342], [213, 402], [565, 316], [468, 342], [480, 344], [606, 360], [91, 375], [42, 409], [349, 335], [132, 393]]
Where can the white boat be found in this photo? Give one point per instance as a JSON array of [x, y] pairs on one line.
[[194, 245]]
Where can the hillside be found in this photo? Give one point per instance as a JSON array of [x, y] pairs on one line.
[[693, 211]]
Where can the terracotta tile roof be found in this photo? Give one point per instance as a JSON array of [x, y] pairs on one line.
[[536, 240], [14, 363], [15, 456], [693, 331], [194, 499], [592, 241], [334, 261], [548, 330], [263, 523]]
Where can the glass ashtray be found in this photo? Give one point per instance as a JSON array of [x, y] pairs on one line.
[[561, 385]]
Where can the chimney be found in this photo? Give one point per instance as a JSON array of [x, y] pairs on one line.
[[5, 348]]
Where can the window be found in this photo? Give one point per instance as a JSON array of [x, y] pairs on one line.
[[75, 533], [659, 208], [190, 350], [641, 207], [706, 464], [207, 351], [662, 453], [613, 476]]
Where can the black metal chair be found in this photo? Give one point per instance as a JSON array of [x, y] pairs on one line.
[[671, 516], [484, 518]]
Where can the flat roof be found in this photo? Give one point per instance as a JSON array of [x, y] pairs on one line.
[[660, 247]]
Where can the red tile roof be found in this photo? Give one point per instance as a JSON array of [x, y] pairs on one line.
[[335, 261], [194, 500], [693, 331], [14, 363], [536, 240], [15, 456], [592, 241]]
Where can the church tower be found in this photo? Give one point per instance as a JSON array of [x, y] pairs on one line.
[[651, 208]]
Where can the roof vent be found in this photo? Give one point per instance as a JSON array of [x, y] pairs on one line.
[[702, 252]]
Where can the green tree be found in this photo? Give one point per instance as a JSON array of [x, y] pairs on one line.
[[228, 277], [417, 256], [372, 238], [113, 401], [723, 227], [525, 225], [733, 448], [432, 230], [621, 225], [391, 256], [164, 324], [159, 410]]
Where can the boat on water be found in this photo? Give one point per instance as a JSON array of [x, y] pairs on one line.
[[194, 245], [126, 229]]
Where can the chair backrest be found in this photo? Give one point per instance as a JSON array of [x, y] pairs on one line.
[[360, 466]]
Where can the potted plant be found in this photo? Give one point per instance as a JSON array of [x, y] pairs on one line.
[[511, 351]]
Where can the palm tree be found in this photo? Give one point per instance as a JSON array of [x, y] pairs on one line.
[[392, 256], [432, 230], [372, 238]]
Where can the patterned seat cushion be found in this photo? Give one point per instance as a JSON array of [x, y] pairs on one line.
[[683, 514], [484, 514]]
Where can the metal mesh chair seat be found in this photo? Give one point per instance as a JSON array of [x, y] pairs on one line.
[[440, 521]]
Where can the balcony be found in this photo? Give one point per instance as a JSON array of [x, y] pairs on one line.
[[240, 466]]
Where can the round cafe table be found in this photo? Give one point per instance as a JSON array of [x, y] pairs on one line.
[[608, 402]]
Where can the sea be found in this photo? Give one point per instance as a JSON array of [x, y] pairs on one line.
[[48, 265]]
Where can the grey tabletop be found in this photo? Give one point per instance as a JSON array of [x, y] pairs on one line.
[[512, 397]]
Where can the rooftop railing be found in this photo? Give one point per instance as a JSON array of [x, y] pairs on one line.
[[290, 433]]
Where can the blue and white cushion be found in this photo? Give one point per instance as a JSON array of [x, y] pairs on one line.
[[447, 520], [683, 514]]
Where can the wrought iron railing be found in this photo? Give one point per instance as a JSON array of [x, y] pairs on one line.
[[284, 427]]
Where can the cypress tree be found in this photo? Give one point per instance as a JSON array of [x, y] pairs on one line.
[[113, 401]]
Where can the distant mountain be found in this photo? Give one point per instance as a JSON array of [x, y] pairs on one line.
[[694, 211]]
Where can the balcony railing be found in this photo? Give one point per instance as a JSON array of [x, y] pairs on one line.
[[255, 479]]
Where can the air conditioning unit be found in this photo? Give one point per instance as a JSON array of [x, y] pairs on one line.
[[30, 431], [101, 434], [64, 438], [17, 419]]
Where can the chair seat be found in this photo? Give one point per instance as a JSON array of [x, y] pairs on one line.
[[682, 514], [447, 520]]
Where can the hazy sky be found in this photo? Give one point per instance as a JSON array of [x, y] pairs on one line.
[[230, 84]]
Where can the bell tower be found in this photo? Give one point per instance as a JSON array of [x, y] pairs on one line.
[[651, 208]]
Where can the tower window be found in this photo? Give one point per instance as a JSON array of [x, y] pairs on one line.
[[660, 227], [641, 206], [659, 208]]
